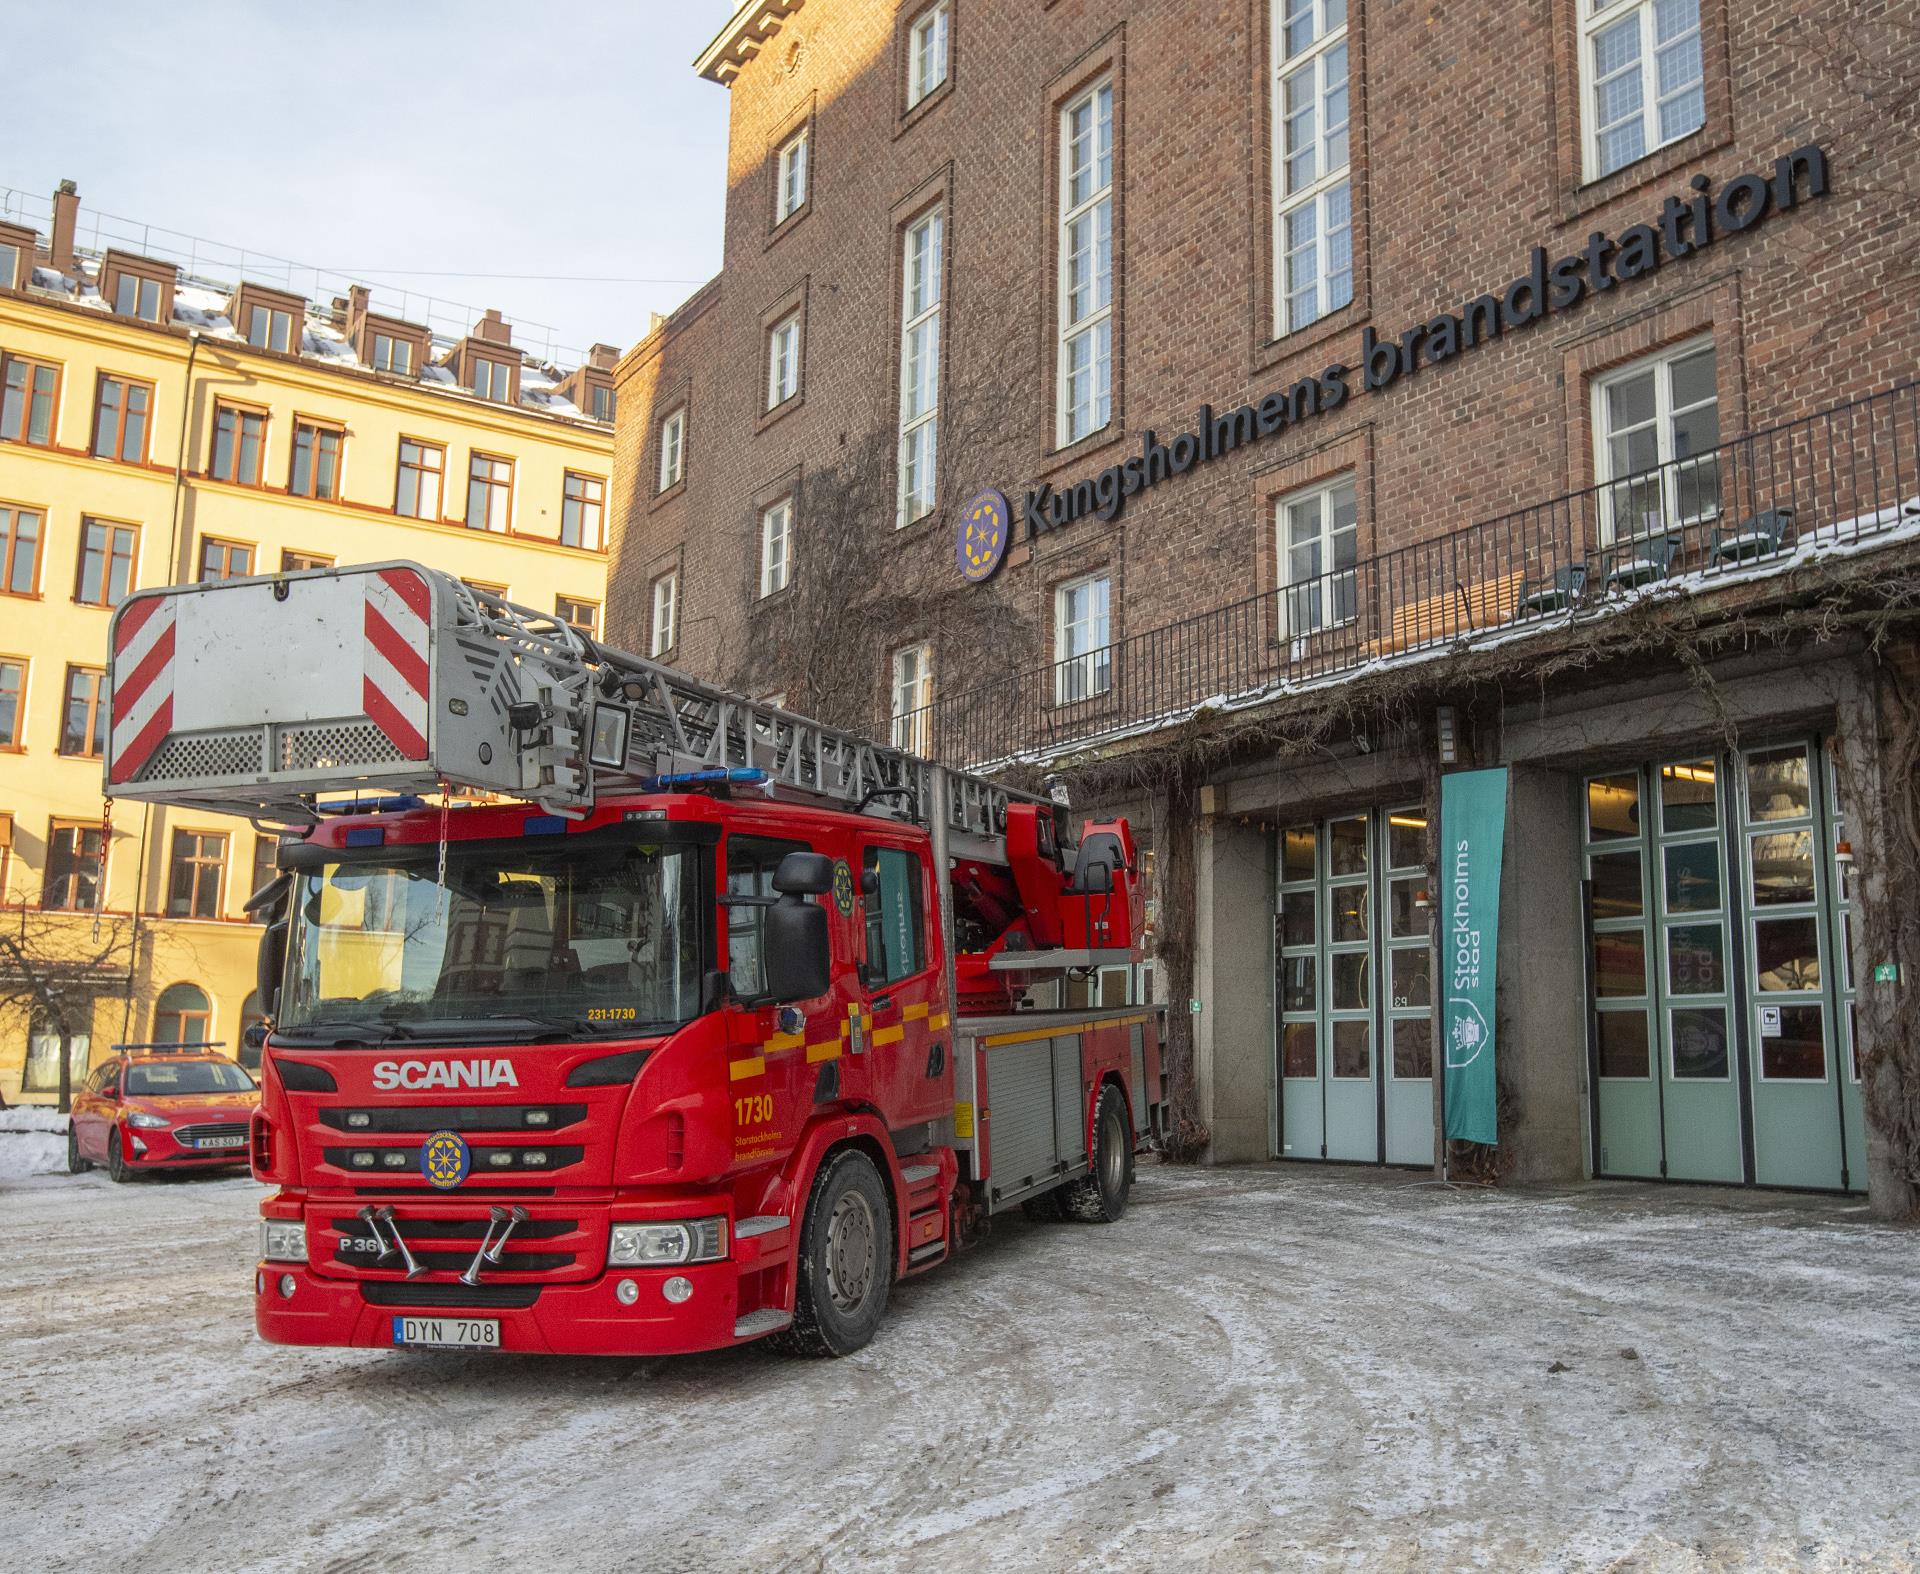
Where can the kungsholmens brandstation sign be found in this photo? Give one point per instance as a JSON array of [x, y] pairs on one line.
[[1683, 227]]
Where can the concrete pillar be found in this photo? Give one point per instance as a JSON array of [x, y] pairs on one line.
[[1542, 1036], [1233, 979]]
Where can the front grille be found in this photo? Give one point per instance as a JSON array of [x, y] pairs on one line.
[[502, 1297], [354, 1255], [412, 1193], [511, 1161], [455, 1117], [188, 1136], [463, 1229]]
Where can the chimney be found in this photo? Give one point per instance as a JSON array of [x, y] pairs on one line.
[[492, 329], [66, 218], [357, 297], [603, 356]]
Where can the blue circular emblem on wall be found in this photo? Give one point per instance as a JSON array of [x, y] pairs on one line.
[[986, 525], [445, 1160]]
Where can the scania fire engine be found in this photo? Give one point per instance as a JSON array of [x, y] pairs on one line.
[[614, 1012]]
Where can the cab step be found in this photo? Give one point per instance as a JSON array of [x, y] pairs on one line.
[[914, 1174], [758, 1224], [768, 1320], [928, 1252]]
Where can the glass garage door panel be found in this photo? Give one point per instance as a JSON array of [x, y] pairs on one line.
[[1626, 1087], [1407, 1057], [1352, 1098], [1302, 1113]]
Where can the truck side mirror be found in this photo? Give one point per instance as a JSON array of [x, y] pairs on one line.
[[797, 955], [270, 964], [804, 874]]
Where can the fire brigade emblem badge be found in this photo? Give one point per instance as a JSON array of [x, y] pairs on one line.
[[445, 1160], [843, 887], [986, 524]]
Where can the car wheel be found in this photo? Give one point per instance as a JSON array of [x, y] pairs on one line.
[[846, 1260], [117, 1169], [1100, 1196], [75, 1164]]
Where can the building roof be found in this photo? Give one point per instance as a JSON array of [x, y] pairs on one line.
[[754, 23]]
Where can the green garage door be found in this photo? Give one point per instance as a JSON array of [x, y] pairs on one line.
[[1713, 902], [1355, 1060]]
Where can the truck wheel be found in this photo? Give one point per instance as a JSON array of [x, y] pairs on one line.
[[1100, 1196], [75, 1164], [117, 1170], [846, 1260]]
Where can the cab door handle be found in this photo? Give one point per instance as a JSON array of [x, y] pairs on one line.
[[883, 1002]]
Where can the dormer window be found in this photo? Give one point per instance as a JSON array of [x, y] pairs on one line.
[[269, 319], [392, 355], [134, 296], [16, 256], [270, 329], [602, 403], [137, 287], [490, 379]]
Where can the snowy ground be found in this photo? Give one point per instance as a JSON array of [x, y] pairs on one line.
[[1254, 1370], [33, 1141]]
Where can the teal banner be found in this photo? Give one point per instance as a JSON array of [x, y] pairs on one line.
[[1473, 821]]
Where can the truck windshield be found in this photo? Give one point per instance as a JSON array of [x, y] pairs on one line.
[[521, 938]]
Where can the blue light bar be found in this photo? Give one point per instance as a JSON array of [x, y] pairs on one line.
[[715, 777], [392, 804], [543, 825], [366, 836]]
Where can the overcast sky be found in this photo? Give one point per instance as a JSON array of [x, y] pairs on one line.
[[401, 141]]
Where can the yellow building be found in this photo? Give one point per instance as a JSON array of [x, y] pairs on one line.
[[157, 426]]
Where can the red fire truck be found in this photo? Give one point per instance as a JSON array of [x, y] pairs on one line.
[[616, 1013]]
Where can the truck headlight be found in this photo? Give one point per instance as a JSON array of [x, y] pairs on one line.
[[283, 1240], [664, 1245], [146, 1122]]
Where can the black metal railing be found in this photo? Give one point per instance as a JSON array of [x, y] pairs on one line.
[[1753, 505]]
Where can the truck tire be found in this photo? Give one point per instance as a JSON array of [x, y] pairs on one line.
[[1100, 1196], [75, 1164], [845, 1269]]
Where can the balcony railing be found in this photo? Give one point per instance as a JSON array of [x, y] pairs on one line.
[[1754, 505]]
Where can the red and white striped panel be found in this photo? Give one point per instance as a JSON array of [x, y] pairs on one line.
[[398, 689], [142, 683]]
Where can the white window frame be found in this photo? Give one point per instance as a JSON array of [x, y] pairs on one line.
[[776, 546], [912, 694], [666, 613], [1082, 668], [783, 360], [1331, 185], [1665, 413], [922, 301], [1601, 16], [673, 449], [1096, 321], [927, 51], [790, 177], [1313, 608]]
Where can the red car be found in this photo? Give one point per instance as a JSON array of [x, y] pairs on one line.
[[155, 1107]]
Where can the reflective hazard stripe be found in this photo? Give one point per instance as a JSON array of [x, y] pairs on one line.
[[740, 1070], [397, 682], [142, 700]]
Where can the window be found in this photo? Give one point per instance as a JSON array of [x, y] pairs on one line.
[[392, 355], [13, 701], [1318, 548], [666, 614], [29, 390], [120, 419], [224, 559], [491, 379], [783, 361], [1313, 229], [751, 863], [42, 1072], [83, 717], [1081, 640], [194, 876], [303, 562], [896, 916], [10, 267], [422, 466], [776, 546], [601, 402], [239, 444], [1086, 264], [927, 52], [107, 554], [498, 592], [673, 450], [790, 194], [182, 1015], [583, 615], [19, 549], [919, 368], [1641, 76], [583, 511], [76, 867], [269, 328], [134, 296], [912, 694], [316, 461], [1657, 424], [489, 493]]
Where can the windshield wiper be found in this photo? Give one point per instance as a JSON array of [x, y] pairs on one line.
[[348, 1029]]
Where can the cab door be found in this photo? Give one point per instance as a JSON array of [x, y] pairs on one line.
[[902, 1029]]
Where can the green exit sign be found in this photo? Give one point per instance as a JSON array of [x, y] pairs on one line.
[[1886, 972]]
